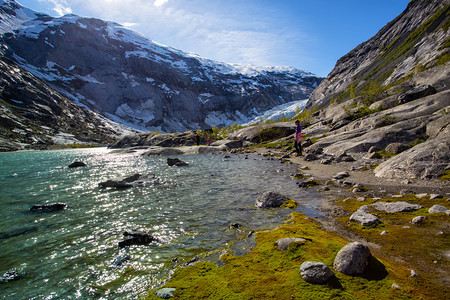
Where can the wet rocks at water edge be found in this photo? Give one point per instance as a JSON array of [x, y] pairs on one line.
[[315, 272], [48, 207], [165, 293], [352, 259], [12, 275], [176, 162], [137, 238], [270, 199], [77, 164]]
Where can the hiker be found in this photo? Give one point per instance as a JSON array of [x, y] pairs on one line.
[[298, 138]]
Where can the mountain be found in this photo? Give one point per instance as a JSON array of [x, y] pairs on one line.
[[138, 82], [391, 89]]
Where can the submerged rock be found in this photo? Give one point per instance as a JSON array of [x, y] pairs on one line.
[[352, 259], [11, 275], [77, 164], [270, 199], [176, 162], [137, 239], [48, 207], [120, 260], [315, 272]]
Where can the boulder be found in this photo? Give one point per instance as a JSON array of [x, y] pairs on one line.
[[362, 217], [437, 209], [12, 275], [228, 144], [315, 272], [416, 93], [418, 219], [396, 148], [77, 164], [270, 199], [395, 207], [283, 244], [176, 162], [352, 259], [49, 207]]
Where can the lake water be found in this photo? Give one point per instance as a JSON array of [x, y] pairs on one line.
[[70, 254]]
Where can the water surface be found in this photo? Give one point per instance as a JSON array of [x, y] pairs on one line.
[[70, 254]]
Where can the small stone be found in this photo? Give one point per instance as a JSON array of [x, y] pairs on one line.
[[165, 293], [323, 189], [283, 244], [420, 196], [315, 272], [384, 232], [361, 199], [270, 199], [395, 286], [406, 227], [413, 274], [436, 196], [440, 233], [418, 219], [437, 209], [357, 190]]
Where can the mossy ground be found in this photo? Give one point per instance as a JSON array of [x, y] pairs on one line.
[[267, 273], [421, 247]]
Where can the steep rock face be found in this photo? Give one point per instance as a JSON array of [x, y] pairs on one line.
[[134, 80], [411, 42], [392, 88], [33, 115]]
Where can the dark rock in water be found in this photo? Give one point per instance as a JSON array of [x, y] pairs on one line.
[[77, 164], [115, 184], [11, 275], [176, 162], [270, 199], [315, 272], [49, 207], [352, 259], [6, 235], [137, 238], [235, 226]]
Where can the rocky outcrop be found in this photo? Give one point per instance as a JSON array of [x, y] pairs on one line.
[[261, 133], [136, 238], [49, 207], [391, 91]]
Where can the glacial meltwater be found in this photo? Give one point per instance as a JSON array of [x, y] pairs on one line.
[[74, 253]]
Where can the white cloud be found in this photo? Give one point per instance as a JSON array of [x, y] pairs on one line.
[[61, 7], [159, 3]]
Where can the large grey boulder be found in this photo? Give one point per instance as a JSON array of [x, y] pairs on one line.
[[315, 272], [270, 199], [362, 217], [352, 259], [165, 293], [437, 209]]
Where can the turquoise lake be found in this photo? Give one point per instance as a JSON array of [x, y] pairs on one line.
[[71, 254]]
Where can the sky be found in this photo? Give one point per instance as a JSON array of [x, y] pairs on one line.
[[307, 34]]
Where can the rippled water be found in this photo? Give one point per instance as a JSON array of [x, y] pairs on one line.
[[70, 254]]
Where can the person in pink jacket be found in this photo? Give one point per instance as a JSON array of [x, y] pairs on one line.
[[298, 138]]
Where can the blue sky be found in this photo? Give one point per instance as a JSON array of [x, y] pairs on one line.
[[307, 34]]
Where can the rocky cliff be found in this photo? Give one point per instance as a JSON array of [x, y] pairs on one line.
[[135, 81], [394, 88]]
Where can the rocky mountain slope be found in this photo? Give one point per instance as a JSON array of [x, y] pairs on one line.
[[135, 81], [394, 88], [35, 116]]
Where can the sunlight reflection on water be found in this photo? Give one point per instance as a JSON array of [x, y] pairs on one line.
[[71, 253]]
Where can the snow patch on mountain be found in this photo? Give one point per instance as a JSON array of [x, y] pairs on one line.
[[287, 110]]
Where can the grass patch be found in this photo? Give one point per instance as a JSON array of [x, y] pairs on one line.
[[445, 175]]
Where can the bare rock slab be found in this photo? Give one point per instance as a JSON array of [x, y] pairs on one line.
[[395, 207]]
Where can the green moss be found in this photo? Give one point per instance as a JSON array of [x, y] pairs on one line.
[[267, 273], [384, 153], [445, 175], [290, 204]]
